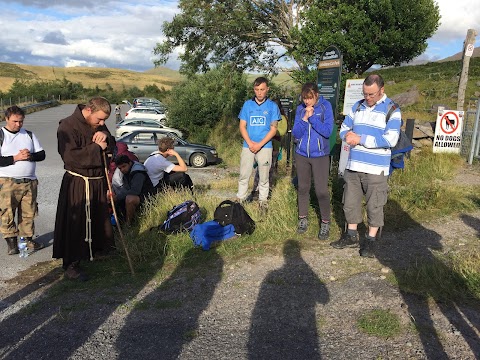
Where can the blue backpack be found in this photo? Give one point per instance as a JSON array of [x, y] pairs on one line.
[[209, 232], [182, 217]]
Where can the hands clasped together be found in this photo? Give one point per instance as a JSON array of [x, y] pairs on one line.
[[352, 139]]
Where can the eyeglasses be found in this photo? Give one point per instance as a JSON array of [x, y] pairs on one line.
[[371, 95]]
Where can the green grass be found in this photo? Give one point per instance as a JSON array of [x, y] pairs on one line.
[[380, 323], [453, 277]]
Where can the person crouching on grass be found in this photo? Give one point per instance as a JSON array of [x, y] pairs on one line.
[[131, 185]]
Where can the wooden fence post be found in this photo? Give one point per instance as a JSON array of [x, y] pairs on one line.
[[466, 55]]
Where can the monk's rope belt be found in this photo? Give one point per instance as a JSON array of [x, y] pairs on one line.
[[88, 221]]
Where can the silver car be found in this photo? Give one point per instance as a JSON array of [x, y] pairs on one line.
[[127, 126], [145, 142]]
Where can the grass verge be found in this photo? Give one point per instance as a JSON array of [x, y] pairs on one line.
[[380, 323]]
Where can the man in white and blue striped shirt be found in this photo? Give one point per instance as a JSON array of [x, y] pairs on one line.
[[370, 137]]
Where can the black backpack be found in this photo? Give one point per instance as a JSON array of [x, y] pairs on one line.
[[182, 217], [229, 212]]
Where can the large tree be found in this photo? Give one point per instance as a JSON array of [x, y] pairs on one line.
[[256, 35]]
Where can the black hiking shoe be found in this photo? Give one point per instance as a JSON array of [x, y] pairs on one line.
[[346, 240], [367, 247], [33, 245], [324, 232], [302, 225]]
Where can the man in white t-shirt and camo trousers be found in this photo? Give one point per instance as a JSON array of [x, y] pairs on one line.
[[19, 152]]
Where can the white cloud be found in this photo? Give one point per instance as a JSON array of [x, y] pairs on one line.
[[457, 16], [124, 36], [123, 33]]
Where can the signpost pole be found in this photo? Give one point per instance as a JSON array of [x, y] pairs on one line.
[[467, 54]]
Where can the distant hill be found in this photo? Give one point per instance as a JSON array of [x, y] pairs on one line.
[[458, 56], [89, 77]]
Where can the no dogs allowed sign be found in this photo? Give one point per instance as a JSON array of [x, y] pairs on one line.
[[448, 131]]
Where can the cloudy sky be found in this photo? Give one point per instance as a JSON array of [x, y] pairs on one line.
[[122, 34]]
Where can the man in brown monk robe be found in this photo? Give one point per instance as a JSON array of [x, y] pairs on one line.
[[82, 224]]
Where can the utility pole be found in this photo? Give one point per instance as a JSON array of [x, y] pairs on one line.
[[468, 46]]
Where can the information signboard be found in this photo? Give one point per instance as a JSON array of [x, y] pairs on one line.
[[328, 76], [448, 131], [353, 93]]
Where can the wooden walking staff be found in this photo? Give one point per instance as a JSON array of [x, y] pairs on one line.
[[122, 240]]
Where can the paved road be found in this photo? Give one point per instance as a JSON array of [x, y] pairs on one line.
[[49, 172]]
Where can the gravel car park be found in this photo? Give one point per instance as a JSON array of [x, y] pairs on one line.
[[126, 126], [145, 142]]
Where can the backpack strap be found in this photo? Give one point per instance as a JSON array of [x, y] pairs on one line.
[[226, 202], [357, 108], [391, 108], [2, 135]]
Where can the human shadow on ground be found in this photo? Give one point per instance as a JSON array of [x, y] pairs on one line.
[[18, 296], [167, 318], [419, 274], [68, 315], [284, 324], [471, 221], [45, 239]]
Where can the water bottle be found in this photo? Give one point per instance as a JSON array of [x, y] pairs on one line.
[[22, 247]]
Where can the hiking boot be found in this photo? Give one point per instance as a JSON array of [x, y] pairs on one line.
[[263, 205], [346, 241], [324, 232], [12, 245], [74, 272], [33, 245], [367, 247], [302, 225]]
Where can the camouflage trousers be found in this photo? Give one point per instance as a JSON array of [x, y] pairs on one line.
[[20, 198]]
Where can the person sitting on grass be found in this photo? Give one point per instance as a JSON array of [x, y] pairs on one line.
[[131, 185], [164, 173], [120, 148]]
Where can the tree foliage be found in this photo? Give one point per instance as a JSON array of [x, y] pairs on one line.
[[384, 32], [196, 105], [256, 34]]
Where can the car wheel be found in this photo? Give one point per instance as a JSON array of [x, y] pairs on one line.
[[198, 160]]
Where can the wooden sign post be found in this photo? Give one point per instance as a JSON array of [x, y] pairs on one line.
[[468, 46]]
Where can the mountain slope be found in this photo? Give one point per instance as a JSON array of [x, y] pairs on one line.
[[89, 77]]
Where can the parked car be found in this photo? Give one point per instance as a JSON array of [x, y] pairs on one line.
[[146, 113], [146, 101], [145, 142], [125, 126]]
